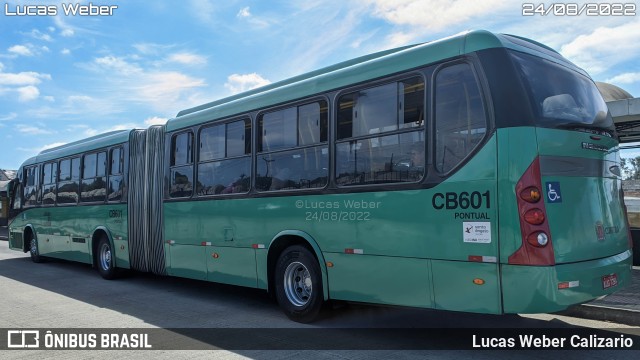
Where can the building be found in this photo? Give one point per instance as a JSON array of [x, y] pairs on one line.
[[625, 110]]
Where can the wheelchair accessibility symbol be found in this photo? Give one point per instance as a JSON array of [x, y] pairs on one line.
[[553, 192]]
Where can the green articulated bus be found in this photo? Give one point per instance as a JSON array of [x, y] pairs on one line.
[[476, 173]]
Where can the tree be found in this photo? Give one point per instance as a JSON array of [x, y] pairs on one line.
[[631, 168]]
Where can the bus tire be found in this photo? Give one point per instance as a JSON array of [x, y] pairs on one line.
[[298, 284], [105, 259], [34, 251]]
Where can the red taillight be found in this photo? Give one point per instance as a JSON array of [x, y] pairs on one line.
[[536, 244], [534, 216]]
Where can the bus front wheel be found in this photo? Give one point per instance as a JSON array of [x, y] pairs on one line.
[[299, 284], [105, 259], [34, 251]]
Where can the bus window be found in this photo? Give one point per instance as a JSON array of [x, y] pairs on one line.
[[367, 114], [116, 168], [69, 181], [31, 186], [303, 128], [49, 179], [181, 181], [460, 117], [94, 185], [563, 98], [229, 146]]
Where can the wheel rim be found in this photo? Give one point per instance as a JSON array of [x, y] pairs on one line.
[[105, 257], [297, 284], [33, 247]]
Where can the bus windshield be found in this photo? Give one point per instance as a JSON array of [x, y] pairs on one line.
[[563, 98]]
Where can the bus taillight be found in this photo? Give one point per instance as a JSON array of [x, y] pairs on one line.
[[538, 239], [530, 194], [536, 246], [534, 216]]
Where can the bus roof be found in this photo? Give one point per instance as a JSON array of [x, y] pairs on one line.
[[354, 71], [81, 146]]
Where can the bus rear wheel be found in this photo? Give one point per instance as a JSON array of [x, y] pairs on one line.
[[299, 284], [104, 259]]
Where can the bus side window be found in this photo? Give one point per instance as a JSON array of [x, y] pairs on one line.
[[302, 129], [93, 187], [68, 181], [116, 169], [49, 179], [31, 182], [181, 181], [387, 122], [224, 163], [460, 118]]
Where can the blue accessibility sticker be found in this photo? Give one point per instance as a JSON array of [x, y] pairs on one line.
[[554, 194]]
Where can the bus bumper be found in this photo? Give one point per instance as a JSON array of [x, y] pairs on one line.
[[544, 289]]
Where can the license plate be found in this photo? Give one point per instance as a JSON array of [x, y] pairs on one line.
[[609, 281]]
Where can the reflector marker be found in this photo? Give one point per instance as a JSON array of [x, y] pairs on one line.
[[206, 243], [354, 251], [485, 259], [568, 284], [171, 242], [258, 246]]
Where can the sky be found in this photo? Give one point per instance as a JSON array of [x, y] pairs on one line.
[[64, 77]]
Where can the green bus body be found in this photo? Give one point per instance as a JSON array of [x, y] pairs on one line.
[[455, 237]]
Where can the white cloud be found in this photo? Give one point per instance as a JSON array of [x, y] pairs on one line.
[[75, 106], [21, 50], [151, 48], [65, 51], [433, 15], [36, 34], [1, 67], [118, 65], [23, 78], [79, 99], [51, 29], [244, 12], [26, 50], [166, 87], [32, 130], [28, 93], [8, 117], [155, 121], [49, 98], [626, 78], [24, 84], [163, 90], [188, 59], [237, 83], [67, 30], [604, 47], [257, 22], [203, 10], [51, 146]]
